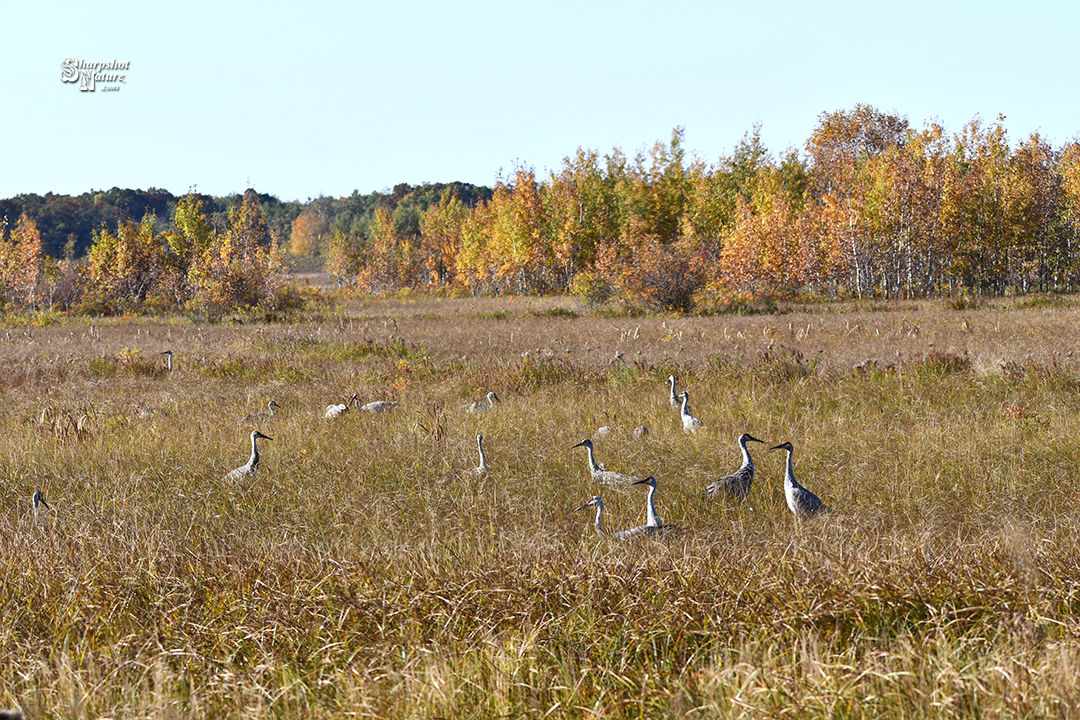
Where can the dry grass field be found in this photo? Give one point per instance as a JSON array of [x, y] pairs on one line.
[[366, 572]]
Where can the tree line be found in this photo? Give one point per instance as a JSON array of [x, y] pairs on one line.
[[871, 207]]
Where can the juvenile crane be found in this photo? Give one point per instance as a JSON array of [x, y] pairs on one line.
[[735, 486], [676, 398], [478, 407], [689, 422], [249, 468], [260, 416], [39, 499], [333, 411], [802, 502], [483, 467], [597, 471]]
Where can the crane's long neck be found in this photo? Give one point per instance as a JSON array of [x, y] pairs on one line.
[[789, 472], [674, 397], [598, 523], [592, 460], [747, 461], [651, 518], [254, 461], [480, 449], [271, 408], [685, 402]]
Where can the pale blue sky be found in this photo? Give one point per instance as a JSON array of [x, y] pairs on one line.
[[311, 98]]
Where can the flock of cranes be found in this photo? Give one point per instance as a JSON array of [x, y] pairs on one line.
[[734, 487]]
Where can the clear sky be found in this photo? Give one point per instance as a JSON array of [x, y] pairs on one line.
[[315, 98]]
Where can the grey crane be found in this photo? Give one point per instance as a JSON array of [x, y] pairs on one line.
[[38, 500], [802, 502], [689, 422], [378, 406], [168, 359], [483, 467], [654, 526], [735, 486], [597, 471], [260, 416], [675, 398], [333, 411], [598, 522], [478, 407], [249, 468]]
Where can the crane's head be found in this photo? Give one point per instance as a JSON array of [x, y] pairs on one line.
[[747, 437], [584, 443], [594, 501], [492, 397], [39, 499], [354, 400], [650, 481], [256, 435], [783, 446]]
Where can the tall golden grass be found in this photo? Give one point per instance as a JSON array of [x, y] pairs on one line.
[[366, 572]]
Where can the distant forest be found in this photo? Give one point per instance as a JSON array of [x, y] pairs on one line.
[[870, 207], [67, 223]]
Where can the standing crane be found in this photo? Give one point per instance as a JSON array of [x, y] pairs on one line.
[[478, 407], [249, 468], [260, 416], [689, 422], [333, 411], [735, 486], [597, 471], [483, 467], [676, 398], [168, 359], [801, 501]]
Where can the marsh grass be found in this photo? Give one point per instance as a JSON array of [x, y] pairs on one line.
[[367, 572]]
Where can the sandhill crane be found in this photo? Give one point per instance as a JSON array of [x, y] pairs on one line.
[[599, 474], [801, 501], [38, 500], [676, 398], [477, 407], [736, 486], [654, 526], [333, 411], [598, 523], [260, 416], [249, 468], [378, 406], [168, 359], [483, 467], [689, 422]]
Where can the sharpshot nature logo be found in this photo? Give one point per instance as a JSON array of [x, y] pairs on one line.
[[89, 74]]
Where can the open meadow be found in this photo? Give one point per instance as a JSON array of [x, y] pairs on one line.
[[366, 571]]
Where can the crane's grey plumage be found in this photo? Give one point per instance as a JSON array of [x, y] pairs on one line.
[[260, 416], [483, 467], [333, 411], [38, 500], [168, 359], [735, 486], [597, 471], [378, 406], [477, 407], [802, 502], [249, 468], [689, 422]]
